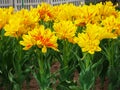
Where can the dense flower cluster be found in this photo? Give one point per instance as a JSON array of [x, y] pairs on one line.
[[41, 37], [89, 40], [65, 30], [5, 15], [100, 21], [20, 23]]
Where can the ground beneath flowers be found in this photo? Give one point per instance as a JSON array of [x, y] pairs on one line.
[[55, 66]]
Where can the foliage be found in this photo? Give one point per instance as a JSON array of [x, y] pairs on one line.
[[87, 40]]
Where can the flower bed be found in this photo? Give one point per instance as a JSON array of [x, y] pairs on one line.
[[83, 38]]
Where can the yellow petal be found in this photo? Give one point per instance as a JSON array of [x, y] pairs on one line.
[[44, 49]]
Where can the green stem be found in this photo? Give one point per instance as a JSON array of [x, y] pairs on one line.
[[65, 60], [43, 75], [65, 53], [17, 65], [111, 52], [19, 59], [88, 59]]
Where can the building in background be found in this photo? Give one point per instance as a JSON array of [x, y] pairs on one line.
[[18, 4]]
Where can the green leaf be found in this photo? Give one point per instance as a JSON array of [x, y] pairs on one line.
[[74, 88], [11, 76], [87, 79]]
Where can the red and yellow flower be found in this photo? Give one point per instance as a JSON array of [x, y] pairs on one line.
[[43, 38]]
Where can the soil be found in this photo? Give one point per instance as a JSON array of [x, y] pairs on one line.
[[55, 66]]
